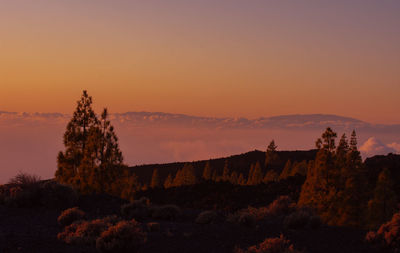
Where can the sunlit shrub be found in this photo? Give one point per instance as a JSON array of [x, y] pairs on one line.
[[283, 205], [167, 212], [206, 217], [83, 232], [125, 236], [388, 235], [70, 215], [271, 245]]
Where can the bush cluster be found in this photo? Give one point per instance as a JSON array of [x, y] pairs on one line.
[[206, 217], [125, 236], [271, 245], [142, 209], [388, 235], [26, 190], [67, 217], [280, 207], [302, 218], [138, 209]]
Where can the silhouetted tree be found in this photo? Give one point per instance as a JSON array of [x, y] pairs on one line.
[[225, 172], [207, 172], [92, 160], [168, 181], [271, 156], [383, 203], [155, 179], [286, 170]]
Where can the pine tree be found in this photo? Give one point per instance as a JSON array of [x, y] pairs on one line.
[[250, 175], [320, 190], [92, 160], [225, 172], [353, 198], [271, 176], [75, 139], [271, 156], [299, 168], [241, 179], [185, 176], [286, 170], [155, 179], [207, 172], [234, 178], [168, 182], [383, 203]]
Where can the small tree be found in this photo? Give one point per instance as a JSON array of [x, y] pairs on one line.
[[207, 172], [286, 170], [383, 203], [155, 179], [168, 182], [271, 156]]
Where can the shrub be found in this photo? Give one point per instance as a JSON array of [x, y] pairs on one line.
[[22, 197], [243, 217], [56, 195], [24, 180], [125, 236], [22, 191], [283, 205], [167, 212], [302, 218], [206, 217], [153, 226], [388, 235], [271, 245], [67, 217], [138, 209], [86, 232]]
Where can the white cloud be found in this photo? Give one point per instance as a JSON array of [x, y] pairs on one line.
[[395, 146], [374, 146]]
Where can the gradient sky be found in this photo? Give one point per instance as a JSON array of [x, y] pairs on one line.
[[215, 58]]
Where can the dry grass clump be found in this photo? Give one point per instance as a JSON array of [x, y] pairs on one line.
[[67, 217], [86, 232], [22, 191], [138, 209], [167, 212], [125, 236], [24, 180], [388, 235], [302, 218], [206, 217], [271, 245]]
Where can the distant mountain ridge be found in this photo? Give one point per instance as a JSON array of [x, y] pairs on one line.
[[143, 118]]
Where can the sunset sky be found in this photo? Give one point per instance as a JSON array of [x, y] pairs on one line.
[[208, 58]]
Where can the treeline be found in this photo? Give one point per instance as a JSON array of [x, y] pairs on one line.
[[338, 185]]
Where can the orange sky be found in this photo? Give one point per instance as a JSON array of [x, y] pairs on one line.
[[231, 58]]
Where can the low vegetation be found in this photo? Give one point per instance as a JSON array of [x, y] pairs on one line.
[[271, 245], [67, 217]]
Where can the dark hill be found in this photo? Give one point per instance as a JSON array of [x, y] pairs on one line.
[[239, 163]]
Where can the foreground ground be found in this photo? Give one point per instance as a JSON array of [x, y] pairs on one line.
[[35, 230]]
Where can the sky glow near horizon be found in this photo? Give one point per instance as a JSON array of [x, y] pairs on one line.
[[208, 58]]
